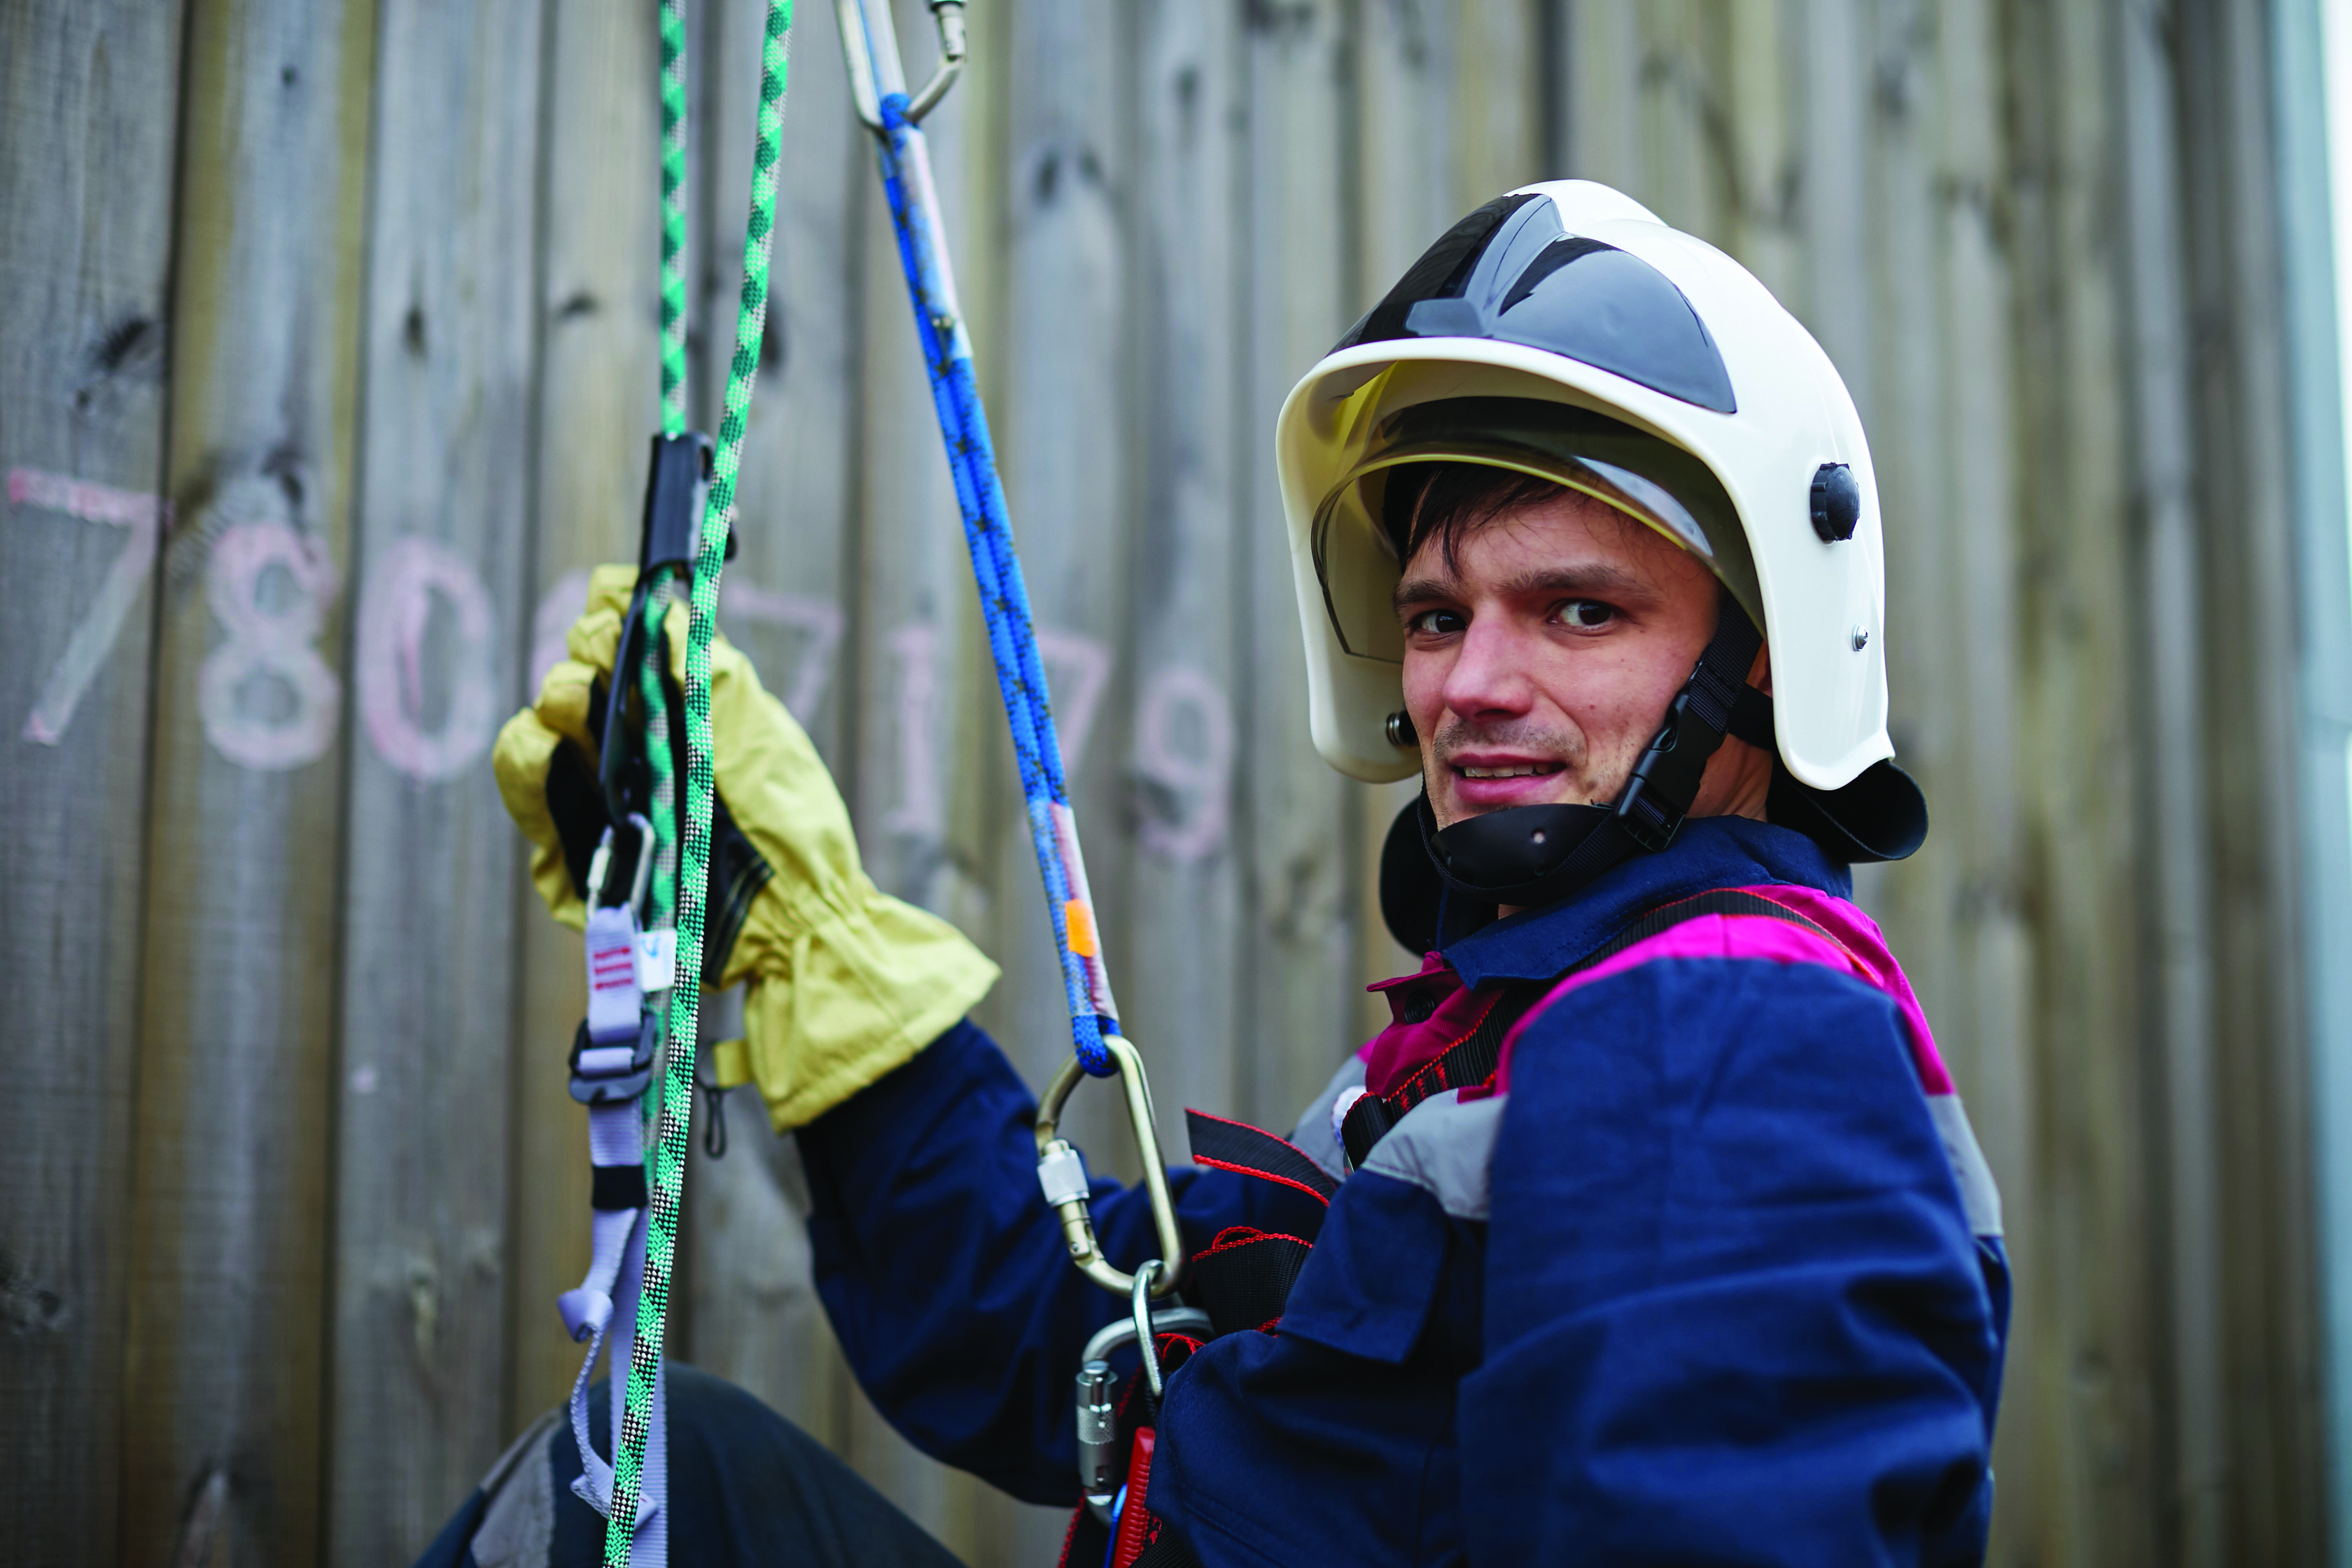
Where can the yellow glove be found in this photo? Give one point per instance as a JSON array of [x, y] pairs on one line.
[[845, 983]]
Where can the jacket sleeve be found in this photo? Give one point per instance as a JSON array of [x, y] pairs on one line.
[[945, 1275], [1734, 1313]]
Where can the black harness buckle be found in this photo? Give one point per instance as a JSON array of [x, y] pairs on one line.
[[1651, 808], [618, 1085]]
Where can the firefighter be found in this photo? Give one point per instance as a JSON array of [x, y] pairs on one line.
[[1650, 1230]]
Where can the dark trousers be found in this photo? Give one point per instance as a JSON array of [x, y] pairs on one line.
[[746, 1486]]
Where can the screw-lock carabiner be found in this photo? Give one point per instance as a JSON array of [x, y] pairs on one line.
[[1064, 1174]]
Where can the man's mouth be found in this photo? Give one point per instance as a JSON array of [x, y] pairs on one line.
[[1514, 771]]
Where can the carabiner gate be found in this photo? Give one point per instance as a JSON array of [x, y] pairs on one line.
[[874, 70], [1062, 1173]]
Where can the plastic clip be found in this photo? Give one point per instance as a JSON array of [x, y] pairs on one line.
[[676, 484], [609, 1074]]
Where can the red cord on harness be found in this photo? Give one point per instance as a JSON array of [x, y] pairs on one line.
[[1134, 1517]]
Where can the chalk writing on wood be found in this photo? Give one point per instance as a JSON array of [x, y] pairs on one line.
[[1186, 819], [818, 620], [268, 699], [390, 665], [919, 811], [93, 637], [1077, 669]]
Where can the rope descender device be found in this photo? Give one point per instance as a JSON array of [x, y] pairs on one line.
[[878, 86]]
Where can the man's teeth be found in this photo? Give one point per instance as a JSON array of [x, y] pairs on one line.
[[1524, 770]]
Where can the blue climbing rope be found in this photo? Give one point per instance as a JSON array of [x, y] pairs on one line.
[[1003, 598]]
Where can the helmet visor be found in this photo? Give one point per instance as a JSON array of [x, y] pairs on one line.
[[1509, 272], [1654, 482]]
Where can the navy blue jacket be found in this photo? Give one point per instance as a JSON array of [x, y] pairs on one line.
[[1713, 1282]]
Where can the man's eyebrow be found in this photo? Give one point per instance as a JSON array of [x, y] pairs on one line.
[[1424, 590], [1594, 577]]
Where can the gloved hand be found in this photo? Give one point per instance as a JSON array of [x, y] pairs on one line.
[[845, 983]]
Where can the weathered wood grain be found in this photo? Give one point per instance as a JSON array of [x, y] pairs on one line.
[[596, 403], [2163, 456], [296, 1286], [752, 1315], [1058, 302], [1409, 185], [1298, 822], [2267, 1357], [924, 698], [1178, 757], [88, 95], [428, 1004], [1063, 426], [240, 946], [2311, 431]]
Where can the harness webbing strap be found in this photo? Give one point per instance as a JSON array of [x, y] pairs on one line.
[[1242, 1277], [1253, 1152], [1473, 1059], [675, 1096]]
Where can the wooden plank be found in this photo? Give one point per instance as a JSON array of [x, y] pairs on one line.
[[2086, 1237], [1410, 186], [598, 401], [924, 702], [2162, 455], [2265, 1355], [752, 1315], [429, 991], [1299, 824], [2310, 224], [90, 96], [1062, 422], [1178, 968], [1497, 123], [1057, 301], [1679, 177], [229, 1306], [1603, 50]]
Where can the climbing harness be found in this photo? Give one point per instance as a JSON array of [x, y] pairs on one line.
[[877, 88], [632, 1062]]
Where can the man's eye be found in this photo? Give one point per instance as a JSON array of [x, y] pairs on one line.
[[1586, 613], [1437, 623]]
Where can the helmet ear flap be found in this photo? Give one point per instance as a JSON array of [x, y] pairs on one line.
[[1881, 815], [1412, 892]]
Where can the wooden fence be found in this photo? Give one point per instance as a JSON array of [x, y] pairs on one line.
[[327, 362]]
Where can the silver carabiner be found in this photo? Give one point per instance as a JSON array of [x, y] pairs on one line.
[[1055, 1156], [601, 861], [874, 70], [1098, 1414]]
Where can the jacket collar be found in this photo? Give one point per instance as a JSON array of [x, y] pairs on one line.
[[1709, 853]]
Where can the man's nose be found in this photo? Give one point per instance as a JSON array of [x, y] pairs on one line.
[[1489, 675]]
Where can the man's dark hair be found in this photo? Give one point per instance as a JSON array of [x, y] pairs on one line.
[[1449, 502]]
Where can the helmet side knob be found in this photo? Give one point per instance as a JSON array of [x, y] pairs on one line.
[[1400, 731], [1837, 502]]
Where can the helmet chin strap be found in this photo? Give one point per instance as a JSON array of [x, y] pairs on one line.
[[1528, 855]]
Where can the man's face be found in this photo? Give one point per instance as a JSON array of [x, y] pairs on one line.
[[1538, 664]]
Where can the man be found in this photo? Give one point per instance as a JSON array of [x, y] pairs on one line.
[[1650, 1231]]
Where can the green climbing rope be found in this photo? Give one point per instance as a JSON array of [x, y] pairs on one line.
[[673, 217], [661, 888], [678, 1075]]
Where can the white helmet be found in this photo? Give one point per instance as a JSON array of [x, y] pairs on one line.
[[1564, 330]]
